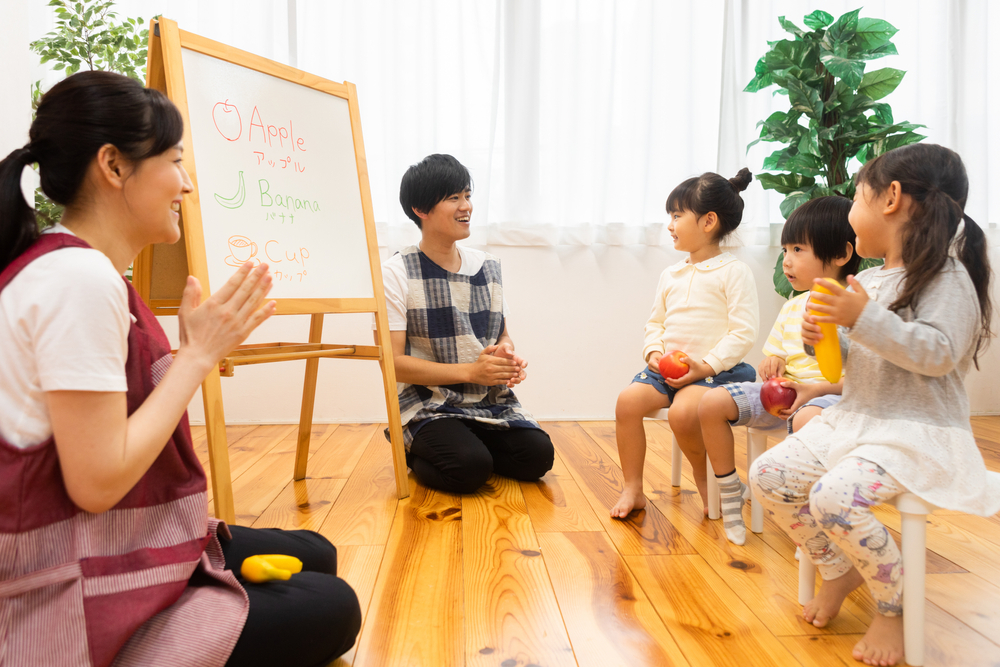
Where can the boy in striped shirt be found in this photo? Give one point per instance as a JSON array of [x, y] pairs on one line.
[[818, 242]]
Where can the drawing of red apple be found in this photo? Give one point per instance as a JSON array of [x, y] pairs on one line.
[[671, 365], [227, 120], [776, 398]]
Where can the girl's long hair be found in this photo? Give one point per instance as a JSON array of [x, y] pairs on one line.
[[935, 179], [75, 118]]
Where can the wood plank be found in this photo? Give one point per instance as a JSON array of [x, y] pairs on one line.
[[710, 622], [415, 617], [986, 527], [363, 513], [600, 480], [970, 599], [256, 489], [964, 548], [340, 453], [765, 580], [555, 502], [609, 618], [950, 643], [358, 566], [511, 615], [302, 505]]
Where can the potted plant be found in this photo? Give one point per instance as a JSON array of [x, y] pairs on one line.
[[834, 114], [88, 35]]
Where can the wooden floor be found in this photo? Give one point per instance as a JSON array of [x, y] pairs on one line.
[[537, 574]]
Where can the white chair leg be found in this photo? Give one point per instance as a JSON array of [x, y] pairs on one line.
[[915, 568], [807, 578], [756, 445], [714, 499], [675, 464]]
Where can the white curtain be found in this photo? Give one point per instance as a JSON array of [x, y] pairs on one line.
[[577, 117]]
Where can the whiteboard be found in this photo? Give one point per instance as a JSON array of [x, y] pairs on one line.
[[277, 181]]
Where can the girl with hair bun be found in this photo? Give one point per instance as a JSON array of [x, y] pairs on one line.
[[706, 308], [912, 328], [107, 553]]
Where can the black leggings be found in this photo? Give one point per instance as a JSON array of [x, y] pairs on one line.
[[306, 621], [458, 455]]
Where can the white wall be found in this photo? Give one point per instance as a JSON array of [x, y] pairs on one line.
[[15, 104], [577, 317]]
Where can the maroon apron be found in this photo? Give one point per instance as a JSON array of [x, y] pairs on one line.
[[90, 589]]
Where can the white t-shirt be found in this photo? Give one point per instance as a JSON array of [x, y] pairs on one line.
[[64, 323], [397, 287]]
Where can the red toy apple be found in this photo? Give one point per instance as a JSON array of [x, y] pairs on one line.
[[775, 398], [671, 365]]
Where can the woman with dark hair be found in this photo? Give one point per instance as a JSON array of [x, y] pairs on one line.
[[106, 550]]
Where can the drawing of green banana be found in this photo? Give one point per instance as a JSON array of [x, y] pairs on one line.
[[236, 200]]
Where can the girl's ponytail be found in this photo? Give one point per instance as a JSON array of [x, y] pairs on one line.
[[972, 252], [18, 227]]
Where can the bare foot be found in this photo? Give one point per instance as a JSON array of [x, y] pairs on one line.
[[629, 501], [703, 492], [822, 608], [883, 643]]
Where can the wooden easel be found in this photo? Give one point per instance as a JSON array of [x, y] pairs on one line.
[[160, 271]]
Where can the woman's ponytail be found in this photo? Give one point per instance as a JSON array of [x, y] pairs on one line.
[[18, 227]]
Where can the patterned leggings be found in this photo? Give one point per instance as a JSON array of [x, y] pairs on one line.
[[827, 513]]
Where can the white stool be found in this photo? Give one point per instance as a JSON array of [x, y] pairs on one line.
[[714, 510], [913, 512]]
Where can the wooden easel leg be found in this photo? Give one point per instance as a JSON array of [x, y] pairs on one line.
[[395, 424], [308, 400], [218, 448]]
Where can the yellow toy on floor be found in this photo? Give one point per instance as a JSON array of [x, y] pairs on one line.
[[268, 567]]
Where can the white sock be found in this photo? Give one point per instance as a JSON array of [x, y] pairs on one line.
[[733, 493]]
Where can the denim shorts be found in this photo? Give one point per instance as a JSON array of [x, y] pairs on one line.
[[741, 372], [746, 395]]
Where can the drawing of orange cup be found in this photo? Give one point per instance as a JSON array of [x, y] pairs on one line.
[[241, 249]]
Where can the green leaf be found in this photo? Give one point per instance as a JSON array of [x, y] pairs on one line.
[[818, 19], [785, 183], [887, 50], [849, 70], [791, 27], [883, 113], [809, 143], [869, 263], [803, 97], [872, 34], [788, 53], [879, 83], [794, 200], [788, 159], [844, 29]]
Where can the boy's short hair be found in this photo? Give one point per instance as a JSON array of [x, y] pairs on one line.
[[433, 179], [822, 224]]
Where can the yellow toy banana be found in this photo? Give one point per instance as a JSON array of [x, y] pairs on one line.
[[828, 350], [267, 567]]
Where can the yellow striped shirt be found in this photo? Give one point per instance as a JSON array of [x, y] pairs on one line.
[[785, 342]]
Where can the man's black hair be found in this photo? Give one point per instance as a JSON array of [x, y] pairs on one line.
[[433, 179], [822, 225]]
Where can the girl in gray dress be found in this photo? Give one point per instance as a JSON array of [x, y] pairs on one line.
[[913, 327]]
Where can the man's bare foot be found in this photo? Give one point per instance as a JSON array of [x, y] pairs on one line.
[[883, 643], [826, 605], [629, 501]]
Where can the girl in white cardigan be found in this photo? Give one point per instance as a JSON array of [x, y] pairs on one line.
[[705, 308]]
